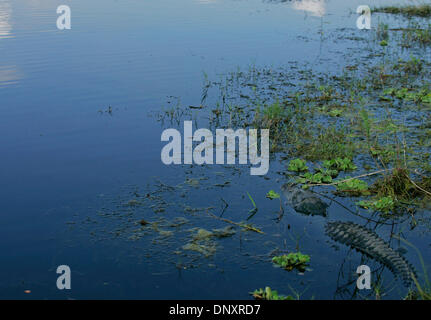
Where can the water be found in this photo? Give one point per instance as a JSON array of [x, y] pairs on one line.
[[64, 156]]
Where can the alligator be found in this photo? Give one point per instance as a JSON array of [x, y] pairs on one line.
[[304, 201], [369, 243]]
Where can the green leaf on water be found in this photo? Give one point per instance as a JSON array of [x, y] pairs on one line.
[[292, 261], [272, 195], [297, 165]]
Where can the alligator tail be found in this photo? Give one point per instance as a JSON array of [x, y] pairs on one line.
[[369, 243]]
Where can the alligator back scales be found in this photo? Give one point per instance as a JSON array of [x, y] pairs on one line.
[[368, 242]]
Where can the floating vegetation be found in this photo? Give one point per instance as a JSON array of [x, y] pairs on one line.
[[292, 261], [310, 179], [202, 234], [269, 294], [384, 43], [225, 232], [297, 165], [166, 233], [202, 242], [384, 204], [353, 187], [176, 233], [207, 249], [340, 164], [272, 195]]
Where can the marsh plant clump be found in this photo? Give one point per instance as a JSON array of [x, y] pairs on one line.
[[340, 164], [353, 187], [383, 204], [292, 261], [297, 165]]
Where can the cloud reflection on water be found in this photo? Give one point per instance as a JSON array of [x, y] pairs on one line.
[[8, 74], [316, 8], [5, 14]]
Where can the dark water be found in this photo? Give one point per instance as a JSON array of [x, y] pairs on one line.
[[65, 158]]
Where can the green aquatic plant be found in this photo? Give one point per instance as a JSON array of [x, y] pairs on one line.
[[274, 112], [423, 36], [397, 189], [410, 67], [366, 124], [329, 142], [292, 261], [309, 178], [201, 242], [253, 211], [207, 249], [274, 117], [272, 195], [335, 112], [426, 98], [202, 234], [353, 187], [383, 204], [340, 164], [332, 110], [327, 92], [397, 185], [416, 34], [407, 94], [328, 172], [297, 165], [382, 32], [269, 294], [384, 153]]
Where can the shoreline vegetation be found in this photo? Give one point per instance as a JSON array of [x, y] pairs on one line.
[[422, 10], [360, 134], [351, 133], [327, 125]]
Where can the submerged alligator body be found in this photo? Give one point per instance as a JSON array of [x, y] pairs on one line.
[[304, 201], [369, 243]]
